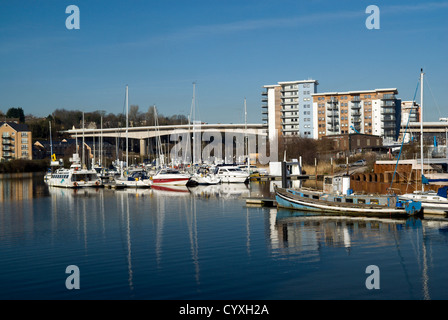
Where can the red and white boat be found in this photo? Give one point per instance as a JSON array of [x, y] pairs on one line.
[[170, 177]]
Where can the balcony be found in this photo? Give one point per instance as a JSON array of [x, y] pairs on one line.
[[356, 99], [290, 109], [264, 105], [388, 125], [285, 103], [332, 107], [264, 99], [333, 122], [356, 105], [388, 118], [288, 88], [290, 129], [388, 97], [388, 103], [333, 129], [7, 148], [295, 97], [289, 116], [264, 93], [7, 141], [355, 114], [356, 120], [387, 111]]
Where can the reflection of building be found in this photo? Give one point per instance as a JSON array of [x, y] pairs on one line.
[[305, 236], [15, 141], [16, 187]]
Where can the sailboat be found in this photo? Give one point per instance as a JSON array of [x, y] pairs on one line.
[[137, 179], [432, 202]]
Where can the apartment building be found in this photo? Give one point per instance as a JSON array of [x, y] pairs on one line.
[[15, 142], [374, 112], [287, 108]]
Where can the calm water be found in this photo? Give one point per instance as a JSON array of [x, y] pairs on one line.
[[204, 243]]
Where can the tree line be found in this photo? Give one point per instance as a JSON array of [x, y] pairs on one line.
[[62, 119]]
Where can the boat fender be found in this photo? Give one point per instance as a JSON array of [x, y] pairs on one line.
[[75, 184], [97, 183]]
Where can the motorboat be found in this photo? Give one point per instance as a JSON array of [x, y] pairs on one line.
[[171, 177], [75, 176], [135, 179], [231, 174]]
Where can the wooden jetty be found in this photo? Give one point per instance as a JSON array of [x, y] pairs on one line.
[[259, 201]]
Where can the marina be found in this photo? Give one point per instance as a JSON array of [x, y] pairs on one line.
[[205, 242]]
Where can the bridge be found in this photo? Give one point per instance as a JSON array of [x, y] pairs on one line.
[[148, 132], [437, 129]]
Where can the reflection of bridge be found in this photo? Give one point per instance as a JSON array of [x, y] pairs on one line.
[[142, 133]]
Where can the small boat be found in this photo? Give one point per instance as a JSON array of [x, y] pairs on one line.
[[231, 174], [75, 176], [432, 202], [171, 177], [136, 179], [346, 204], [204, 177]]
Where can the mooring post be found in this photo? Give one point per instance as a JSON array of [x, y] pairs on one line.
[[284, 175]]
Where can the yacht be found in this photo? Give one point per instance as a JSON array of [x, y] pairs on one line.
[[170, 177], [231, 174], [75, 176], [137, 179]]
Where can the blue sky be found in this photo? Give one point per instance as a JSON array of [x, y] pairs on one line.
[[229, 48]]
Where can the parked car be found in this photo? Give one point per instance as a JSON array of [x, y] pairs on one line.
[[359, 163]]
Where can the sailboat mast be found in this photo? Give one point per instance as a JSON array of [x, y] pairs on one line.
[[193, 118], [82, 163], [51, 142], [245, 136], [127, 125], [421, 126]]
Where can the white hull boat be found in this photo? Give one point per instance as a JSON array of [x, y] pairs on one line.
[[231, 174], [170, 177]]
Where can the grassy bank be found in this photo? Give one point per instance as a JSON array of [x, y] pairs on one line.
[[16, 166]]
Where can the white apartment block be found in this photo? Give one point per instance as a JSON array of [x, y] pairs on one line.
[[287, 108]]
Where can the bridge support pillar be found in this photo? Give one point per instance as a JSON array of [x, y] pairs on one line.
[[142, 147]]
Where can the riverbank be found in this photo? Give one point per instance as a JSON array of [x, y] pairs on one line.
[[18, 166]]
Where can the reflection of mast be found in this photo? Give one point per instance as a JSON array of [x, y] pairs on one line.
[[128, 238], [193, 232], [160, 223], [247, 231], [425, 278]]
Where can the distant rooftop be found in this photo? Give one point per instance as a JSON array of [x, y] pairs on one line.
[[395, 90], [16, 126]]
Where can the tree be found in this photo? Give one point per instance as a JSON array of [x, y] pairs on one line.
[[16, 113]]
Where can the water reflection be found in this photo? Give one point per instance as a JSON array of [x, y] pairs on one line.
[[306, 236], [21, 186]]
